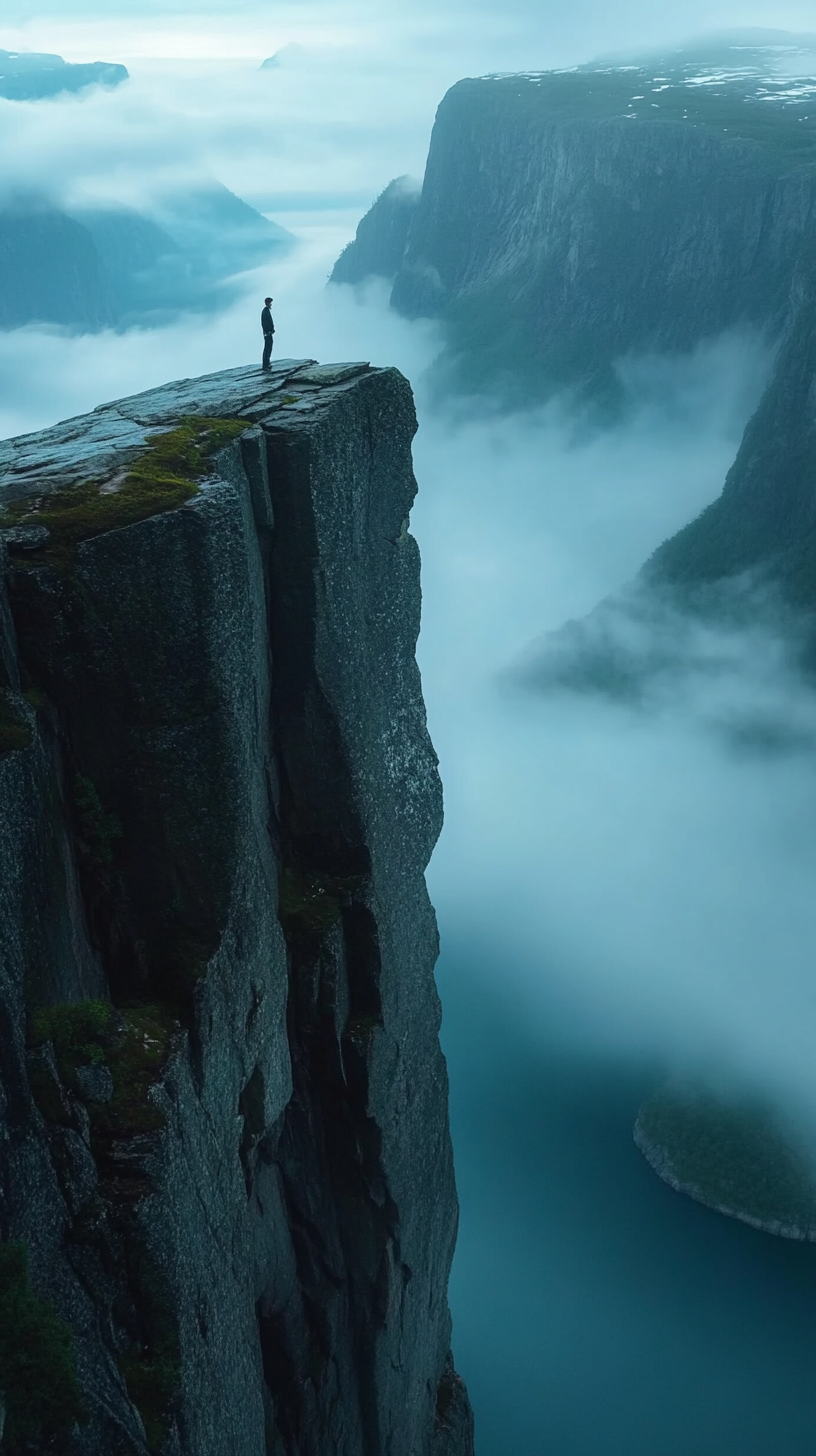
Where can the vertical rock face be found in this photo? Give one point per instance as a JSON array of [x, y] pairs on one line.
[[568, 218], [223, 1107], [379, 246], [763, 526]]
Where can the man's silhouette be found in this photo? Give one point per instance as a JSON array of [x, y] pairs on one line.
[[268, 333]]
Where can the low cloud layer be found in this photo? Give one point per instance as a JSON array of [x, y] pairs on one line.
[[644, 867]]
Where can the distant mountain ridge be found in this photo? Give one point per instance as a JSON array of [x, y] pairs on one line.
[[111, 266], [34, 76]]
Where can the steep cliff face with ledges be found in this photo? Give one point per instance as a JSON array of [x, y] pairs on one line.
[[223, 1103]]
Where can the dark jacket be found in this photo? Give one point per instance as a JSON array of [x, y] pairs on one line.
[[266, 321]]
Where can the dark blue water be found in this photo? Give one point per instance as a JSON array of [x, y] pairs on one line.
[[597, 1313]]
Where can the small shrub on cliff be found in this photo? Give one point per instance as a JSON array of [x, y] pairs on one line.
[[77, 1031], [134, 1044], [309, 902], [37, 1364], [136, 1056]]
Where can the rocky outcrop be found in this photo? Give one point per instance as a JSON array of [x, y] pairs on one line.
[[223, 1106], [379, 246], [569, 218], [33, 75]]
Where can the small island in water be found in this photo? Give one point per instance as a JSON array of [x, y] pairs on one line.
[[737, 1157]]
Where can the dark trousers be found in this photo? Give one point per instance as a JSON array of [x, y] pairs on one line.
[[267, 354]]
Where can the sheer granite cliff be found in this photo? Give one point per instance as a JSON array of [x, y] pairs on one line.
[[223, 1106], [746, 565], [761, 532], [569, 218]]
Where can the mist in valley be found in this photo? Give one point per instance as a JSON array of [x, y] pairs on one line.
[[624, 889]]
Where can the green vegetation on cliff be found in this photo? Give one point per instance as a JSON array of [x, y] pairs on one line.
[[164, 477], [98, 830], [38, 1378], [134, 1044]]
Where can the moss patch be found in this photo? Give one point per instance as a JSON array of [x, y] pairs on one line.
[[134, 1044], [37, 1363], [151, 1367], [164, 477], [136, 1059], [15, 733]]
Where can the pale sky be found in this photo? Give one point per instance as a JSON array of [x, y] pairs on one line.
[[351, 106], [517, 32]]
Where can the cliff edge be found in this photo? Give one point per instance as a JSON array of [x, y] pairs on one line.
[[223, 1107]]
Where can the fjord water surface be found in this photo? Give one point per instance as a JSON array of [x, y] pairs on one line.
[[597, 1311]]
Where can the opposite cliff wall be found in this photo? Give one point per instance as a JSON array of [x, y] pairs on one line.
[[223, 1105], [562, 225]]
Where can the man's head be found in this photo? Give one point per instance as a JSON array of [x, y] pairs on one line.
[[267, 301]]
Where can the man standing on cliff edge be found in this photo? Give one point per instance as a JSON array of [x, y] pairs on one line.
[[268, 333]]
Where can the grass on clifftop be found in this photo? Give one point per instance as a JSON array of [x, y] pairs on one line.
[[164, 477], [732, 1157]]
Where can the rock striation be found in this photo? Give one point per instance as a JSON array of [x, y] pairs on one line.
[[223, 1105]]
